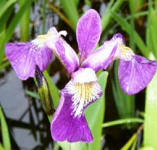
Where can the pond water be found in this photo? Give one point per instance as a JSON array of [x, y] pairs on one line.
[[19, 111]]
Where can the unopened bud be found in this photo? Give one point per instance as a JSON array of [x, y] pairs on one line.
[[43, 91]]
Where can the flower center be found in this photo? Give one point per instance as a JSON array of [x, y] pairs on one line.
[[82, 95], [125, 53], [40, 40], [52, 36], [84, 90]]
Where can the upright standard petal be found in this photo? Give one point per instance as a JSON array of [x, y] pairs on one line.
[[135, 74], [88, 32], [66, 55], [21, 59], [102, 57], [66, 127]]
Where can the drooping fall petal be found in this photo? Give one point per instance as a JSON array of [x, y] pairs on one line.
[[69, 123], [25, 56], [66, 127], [21, 59], [134, 75]]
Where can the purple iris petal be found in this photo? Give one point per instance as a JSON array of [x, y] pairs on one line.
[[134, 75], [25, 56], [103, 56], [66, 55], [65, 126], [21, 59], [88, 32], [42, 57]]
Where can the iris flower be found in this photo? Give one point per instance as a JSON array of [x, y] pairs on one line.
[[135, 72], [69, 122]]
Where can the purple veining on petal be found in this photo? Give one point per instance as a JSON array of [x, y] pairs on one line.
[[42, 56], [65, 126], [101, 58], [134, 75], [21, 59], [66, 55], [88, 32], [25, 56], [84, 88]]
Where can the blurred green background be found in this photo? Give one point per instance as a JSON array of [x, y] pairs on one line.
[[117, 121]]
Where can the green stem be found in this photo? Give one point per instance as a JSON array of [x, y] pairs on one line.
[[122, 121]]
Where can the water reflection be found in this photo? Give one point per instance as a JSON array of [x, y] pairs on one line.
[[25, 117]]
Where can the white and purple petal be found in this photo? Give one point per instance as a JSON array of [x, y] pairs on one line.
[[84, 88], [66, 55], [66, 127], [62, 50], [134, 75], [103, 56], [88, 32], [69, 123]]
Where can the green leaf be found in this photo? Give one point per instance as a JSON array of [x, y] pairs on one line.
[[54, 92], [4, 19], [75, 146], [3, 65], [122, 121], [25, 20], [95, 114], [1, 147], [135, 5], [88, 2], [124, 103], [76, 2], [70, 9], [127, 27], [151, 33], [32, 94], [5, 132], [150, 123], [130, 142], [4, 5], [107, 17], [133, 147], [12, 26]]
